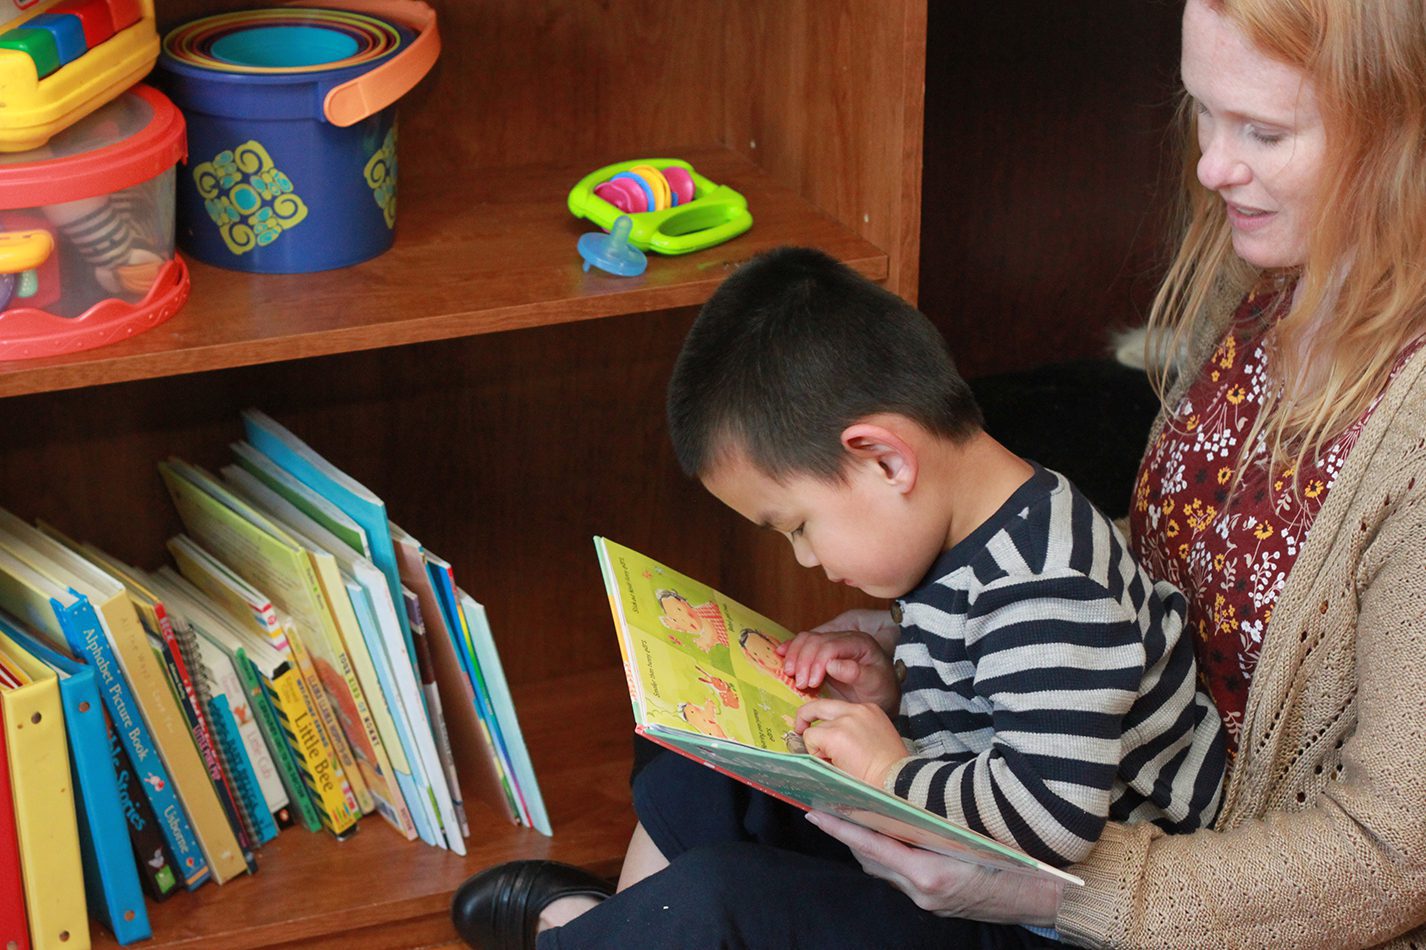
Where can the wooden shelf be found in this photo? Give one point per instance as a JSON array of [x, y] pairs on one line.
[[580, 733], [474, 253], [503, 451]]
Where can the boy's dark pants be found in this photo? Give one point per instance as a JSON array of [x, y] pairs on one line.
[[747, 870]]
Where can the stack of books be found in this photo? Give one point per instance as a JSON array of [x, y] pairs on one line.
[[302, 661]]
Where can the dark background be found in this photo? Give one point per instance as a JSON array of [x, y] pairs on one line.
[[1049, 166]]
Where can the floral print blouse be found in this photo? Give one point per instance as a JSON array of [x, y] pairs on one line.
[[1230, 564]]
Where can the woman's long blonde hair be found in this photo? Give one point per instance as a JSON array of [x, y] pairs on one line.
[[1362, 289]]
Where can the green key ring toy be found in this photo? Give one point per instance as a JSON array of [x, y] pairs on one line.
[[715, 214]]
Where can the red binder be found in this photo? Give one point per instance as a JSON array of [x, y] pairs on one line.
[[14, 930]]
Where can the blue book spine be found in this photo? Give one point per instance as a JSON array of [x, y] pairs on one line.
[[111, 877], [240, 769], [371, 516], [503, 704], [446, 595], [86, 638]]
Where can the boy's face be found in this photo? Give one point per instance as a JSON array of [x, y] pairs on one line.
[[861, 532]]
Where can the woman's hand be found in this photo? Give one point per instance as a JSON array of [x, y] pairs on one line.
[[877, 623], [948, 887]]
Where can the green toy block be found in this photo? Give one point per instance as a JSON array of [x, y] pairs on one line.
[[39, 45]]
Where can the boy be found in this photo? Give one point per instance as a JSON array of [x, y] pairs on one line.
[[1039, 679], [1041, 684]]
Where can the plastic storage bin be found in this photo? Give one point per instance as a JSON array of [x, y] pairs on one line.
[[86, 230], [291, 116]]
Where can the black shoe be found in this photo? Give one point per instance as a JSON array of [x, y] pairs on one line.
[[498, 908]]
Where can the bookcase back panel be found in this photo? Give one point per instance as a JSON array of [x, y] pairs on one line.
[[825, 95], [503, 453]]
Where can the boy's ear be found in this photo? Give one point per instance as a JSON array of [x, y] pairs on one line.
[[887, 449]]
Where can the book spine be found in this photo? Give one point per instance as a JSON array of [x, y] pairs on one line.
[[152, 855], [489, 724], [311, 750], [278, 743], [148, 764], [344, 766], [240, 771], [226, 682], [372, 764], [191, 705], [439, 732]]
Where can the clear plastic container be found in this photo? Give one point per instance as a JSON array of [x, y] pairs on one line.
[[86, 230]]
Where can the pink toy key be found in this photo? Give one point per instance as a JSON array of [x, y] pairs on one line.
[[680, 182], [623, 194]]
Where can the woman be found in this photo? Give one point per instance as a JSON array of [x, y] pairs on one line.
[[1307, 183], [1284, 489]]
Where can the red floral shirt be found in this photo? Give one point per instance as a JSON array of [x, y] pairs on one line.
[[1231, 565]]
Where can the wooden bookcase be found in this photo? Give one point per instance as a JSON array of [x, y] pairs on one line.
[[506, 404]]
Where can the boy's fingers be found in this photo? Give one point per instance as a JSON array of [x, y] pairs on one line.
[[815, 709]]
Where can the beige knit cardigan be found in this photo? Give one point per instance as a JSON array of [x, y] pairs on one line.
[[1321, 841]]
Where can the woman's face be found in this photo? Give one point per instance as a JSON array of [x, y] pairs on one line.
[[1260, 134]]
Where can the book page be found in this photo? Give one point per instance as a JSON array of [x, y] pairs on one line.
[[701, 661]]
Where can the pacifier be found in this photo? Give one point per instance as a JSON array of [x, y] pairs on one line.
[[612, 252]]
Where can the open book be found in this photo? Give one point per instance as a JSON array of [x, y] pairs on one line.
[[706, 682]]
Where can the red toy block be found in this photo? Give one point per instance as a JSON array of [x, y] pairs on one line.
[[125, 13], [94, 18]]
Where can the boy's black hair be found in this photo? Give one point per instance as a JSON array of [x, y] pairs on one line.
[[794, 347]]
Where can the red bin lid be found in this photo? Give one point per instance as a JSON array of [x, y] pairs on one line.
[[119, 145]]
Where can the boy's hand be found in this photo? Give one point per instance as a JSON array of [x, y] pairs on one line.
[[857, 738], [852, 663]]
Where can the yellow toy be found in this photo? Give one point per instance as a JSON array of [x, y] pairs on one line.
[[62, 59]]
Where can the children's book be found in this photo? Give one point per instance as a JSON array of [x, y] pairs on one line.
[[471, 744], [502, 707], [264, 554], [158, 704], [155, 861], [380, 755], [256, 663], [439, 732], [706, 682], [359, 503], [292, 699], [67, 619]]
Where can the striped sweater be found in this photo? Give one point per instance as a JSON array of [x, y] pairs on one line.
[[1048, 685]]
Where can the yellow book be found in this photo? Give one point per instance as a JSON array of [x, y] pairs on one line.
[[151, 687], [291, 700], [342, 764], [265, 555], [43, 799]]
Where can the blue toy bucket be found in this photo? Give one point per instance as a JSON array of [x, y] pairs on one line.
[[292, 130]]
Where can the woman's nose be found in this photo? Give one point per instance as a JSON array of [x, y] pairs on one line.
[[1220, 166]]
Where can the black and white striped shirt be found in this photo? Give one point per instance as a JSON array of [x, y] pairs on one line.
[[1049, 684]]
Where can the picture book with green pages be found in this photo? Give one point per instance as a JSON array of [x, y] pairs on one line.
[[706, 681]]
